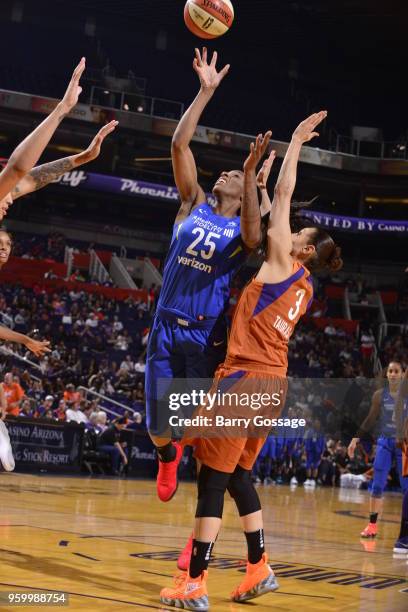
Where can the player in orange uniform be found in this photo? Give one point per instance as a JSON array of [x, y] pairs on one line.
[[401, 545], [268, 310]]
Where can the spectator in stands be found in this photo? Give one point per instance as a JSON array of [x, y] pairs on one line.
[[330, 330], [45, 406], [74, 413], [109, 442], [14, 394], [101, 420], [117, 325], [92, 320], [139, 392], [367, 343], [26, 410], [341, 462], [140, 365], [70, 395], [127, 364], [60, 412]]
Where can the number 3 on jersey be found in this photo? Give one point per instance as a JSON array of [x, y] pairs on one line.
[[207, 242], [293, 312]]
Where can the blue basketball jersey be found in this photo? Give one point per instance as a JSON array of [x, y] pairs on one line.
[[206, 251], [387, 424]]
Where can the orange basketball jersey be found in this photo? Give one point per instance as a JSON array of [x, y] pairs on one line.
[[264, 320]]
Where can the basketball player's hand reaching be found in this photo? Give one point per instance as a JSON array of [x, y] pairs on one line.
[[256, 153], [38, 347], [263, 174], [71, 95], [305, 131], [207, 72], [94, 148]]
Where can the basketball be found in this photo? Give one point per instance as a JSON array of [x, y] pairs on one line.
[[208, 18]]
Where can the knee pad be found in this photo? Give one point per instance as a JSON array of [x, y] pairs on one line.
[[243, 492], [377, 491], [212, 485]]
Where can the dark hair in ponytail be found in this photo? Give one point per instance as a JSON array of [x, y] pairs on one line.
[[297, 222], [327, 255]]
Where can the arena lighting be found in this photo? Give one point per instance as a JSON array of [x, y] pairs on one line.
[[106, 92], [140, 109], [66, 149], [376, 200]]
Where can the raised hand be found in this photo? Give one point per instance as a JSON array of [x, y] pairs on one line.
[[306, 130], [71, 95], [257, 151], [207, 72], [263, 174], [38, 347], [94, 148]]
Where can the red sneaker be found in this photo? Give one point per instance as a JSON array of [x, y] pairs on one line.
[[183, 562], [167, 481], [370, 531]]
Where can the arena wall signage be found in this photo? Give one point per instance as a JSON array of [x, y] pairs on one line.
[[131, 187], [164, 126], [51, 446]]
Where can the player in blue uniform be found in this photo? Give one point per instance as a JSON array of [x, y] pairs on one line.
[[209, 244], [314, 445], [382, 415]]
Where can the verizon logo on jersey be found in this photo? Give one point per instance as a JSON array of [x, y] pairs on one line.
[[194, 263], [283, 327]]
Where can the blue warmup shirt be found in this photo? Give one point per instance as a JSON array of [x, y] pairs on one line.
[[206, 251], [386, 426]]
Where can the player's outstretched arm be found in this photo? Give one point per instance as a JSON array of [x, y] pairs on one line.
[[250, 211], [42, 175], [26, 155], [262, 182], [184, 166], [38, 347], [285, 186]]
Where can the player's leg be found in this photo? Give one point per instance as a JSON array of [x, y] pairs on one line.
[[259, 578], [382, 466], [191, 592], [162, 363], [309, 465]]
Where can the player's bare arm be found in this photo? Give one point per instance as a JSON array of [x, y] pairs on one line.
[[262, 183], [184, 165], [250, 210], [42, 175], [26, 155], [368, 423], [38, 347], [278, 264]]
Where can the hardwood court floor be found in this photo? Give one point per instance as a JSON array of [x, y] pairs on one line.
[[112, 546]]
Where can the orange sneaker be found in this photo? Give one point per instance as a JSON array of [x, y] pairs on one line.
[[259, 580], [183, 562], [370, 531], [167, 481], [188, 593]]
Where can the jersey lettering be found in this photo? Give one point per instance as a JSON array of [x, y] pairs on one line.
[[293, 313]]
